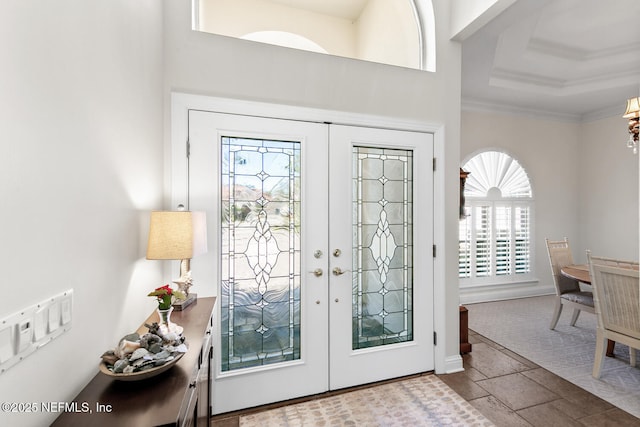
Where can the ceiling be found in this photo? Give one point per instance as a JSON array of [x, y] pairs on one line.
[[566, 59]]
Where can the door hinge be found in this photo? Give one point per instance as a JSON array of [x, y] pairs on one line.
[[434, 251], [434, 164], [435, 338], [188, 148]]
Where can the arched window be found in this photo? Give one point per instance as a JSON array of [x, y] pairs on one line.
[[495, 235], [398, 32]]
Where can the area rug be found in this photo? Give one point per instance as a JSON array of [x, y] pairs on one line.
[[417, 401], [522, 326]]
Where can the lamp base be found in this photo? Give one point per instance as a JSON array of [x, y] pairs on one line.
[[182, 304]]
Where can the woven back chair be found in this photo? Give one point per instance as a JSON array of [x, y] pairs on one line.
[[616, 288], [568, 290]]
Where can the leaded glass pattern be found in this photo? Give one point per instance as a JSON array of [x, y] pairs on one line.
[[382, 246], [260, 251]]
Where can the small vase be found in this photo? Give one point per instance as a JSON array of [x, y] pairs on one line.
[[166, 325]]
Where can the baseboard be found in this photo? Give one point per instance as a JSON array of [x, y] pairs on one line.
[[488, 293], [453, 364]]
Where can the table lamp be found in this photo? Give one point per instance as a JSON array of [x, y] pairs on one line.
[[178, 235]]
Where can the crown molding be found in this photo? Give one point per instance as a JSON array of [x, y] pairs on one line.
[[519, 111], [513, 110]]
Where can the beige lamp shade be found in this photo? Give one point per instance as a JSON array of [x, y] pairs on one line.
[[177, 235], [633, 108]]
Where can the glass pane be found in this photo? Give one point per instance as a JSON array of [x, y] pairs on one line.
[[522, 236], [503, 240], [260, 230], [382, 246], [464, 245], [482, 228]]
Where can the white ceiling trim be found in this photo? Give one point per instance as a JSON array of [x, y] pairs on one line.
[[511, 110], [501, 108], [560, 87], [566, 52]]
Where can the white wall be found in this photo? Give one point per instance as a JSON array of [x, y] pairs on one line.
[[585, 185], [608, 188], [207, 64], [81, 166]]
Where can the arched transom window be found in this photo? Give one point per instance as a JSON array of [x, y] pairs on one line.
[[495, 238]]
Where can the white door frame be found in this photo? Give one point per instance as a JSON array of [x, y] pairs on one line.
[[181, 103]]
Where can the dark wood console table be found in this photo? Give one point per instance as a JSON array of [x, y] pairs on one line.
[[180, 396]]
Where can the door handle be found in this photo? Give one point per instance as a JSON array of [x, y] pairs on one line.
[[317, 272], [337, 271]]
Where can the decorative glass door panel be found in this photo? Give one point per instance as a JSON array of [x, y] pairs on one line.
[[382, 247], [322, 283], [260, 269]]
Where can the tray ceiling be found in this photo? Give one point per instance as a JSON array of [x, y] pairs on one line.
[[570, 59]]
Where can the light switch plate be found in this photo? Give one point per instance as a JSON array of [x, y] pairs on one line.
[[40, 320], [65, 307], [28, 330], [24, 334], [54, 316]]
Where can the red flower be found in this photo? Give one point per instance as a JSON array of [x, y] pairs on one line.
[[165, 296]]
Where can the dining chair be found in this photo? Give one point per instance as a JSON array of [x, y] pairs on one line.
[[616, 291], [568, 290]]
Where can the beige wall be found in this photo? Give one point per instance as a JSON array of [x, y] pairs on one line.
[[81, 154], [585, 184], [384, 34]]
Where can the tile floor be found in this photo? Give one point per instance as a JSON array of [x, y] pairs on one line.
[[522, 326], [512, 391]]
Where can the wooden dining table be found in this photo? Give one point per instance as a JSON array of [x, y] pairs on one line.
[[580, 272]]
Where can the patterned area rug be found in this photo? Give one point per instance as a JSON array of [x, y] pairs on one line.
[[522, 326], [419, 401]]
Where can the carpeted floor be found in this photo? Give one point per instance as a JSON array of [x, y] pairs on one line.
[[424, 400], [522, 325]]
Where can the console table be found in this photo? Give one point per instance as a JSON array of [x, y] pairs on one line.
[[177, 397]]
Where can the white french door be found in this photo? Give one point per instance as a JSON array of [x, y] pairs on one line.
[[380, 219], [320, 243]]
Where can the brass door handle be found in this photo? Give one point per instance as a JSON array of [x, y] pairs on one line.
[[317, 272], [337, 271]]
